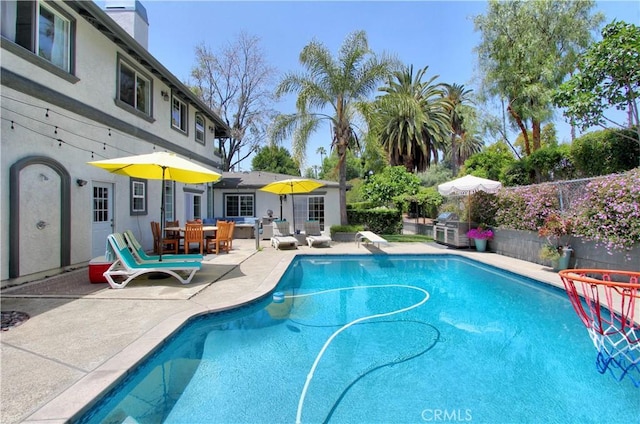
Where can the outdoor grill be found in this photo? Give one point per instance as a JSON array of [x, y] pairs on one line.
[[449, 230]]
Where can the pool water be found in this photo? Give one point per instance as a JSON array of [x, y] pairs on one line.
[[380, 339]]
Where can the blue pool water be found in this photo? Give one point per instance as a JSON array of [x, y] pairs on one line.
[[380, 339]]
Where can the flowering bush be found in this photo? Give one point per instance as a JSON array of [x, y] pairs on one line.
[[480, 233], [556, 229], [525, 208], [609, 212]]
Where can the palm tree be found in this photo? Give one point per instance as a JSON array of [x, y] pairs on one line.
[[322, 152], [337, 84], [459, 98], [411, 119]]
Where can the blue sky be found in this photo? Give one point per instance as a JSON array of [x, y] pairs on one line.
[[439, 34]]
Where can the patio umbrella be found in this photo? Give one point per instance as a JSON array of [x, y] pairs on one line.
[[468, 185], [291, 186], [159, 166]]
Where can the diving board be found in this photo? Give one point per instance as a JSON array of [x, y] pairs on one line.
[[370, 236]]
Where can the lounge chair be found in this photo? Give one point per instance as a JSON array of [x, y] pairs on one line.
[[141, 256], [314, 235], [369, 236], [127, 268], [282, 236]]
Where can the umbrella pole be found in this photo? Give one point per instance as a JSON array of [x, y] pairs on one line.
[[162, 215]]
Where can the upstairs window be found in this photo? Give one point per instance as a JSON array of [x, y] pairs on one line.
[[41, 28], [200, 124], [134, 88], [138, 197], [178, 114]]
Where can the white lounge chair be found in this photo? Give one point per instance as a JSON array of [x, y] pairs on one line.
[[282, 236], [141, 256], [314, 235], [369, 236], [125, 266]]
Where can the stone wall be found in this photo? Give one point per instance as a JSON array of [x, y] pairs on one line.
[[525, 245]]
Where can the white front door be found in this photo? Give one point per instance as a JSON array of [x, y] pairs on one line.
[[102, 220]]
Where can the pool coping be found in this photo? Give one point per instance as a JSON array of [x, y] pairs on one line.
[[83, 393]]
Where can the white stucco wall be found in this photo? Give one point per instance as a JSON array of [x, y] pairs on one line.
[[83, 140]]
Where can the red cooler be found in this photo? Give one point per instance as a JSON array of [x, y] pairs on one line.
[[97, 267]]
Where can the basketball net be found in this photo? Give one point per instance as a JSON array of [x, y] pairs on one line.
[[608, 303]]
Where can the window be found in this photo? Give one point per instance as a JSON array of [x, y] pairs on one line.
[[238, 205], [138, 202], [134, 89], [200, 124], [169, 200], [42, 28], [316, 209], [178, 114]]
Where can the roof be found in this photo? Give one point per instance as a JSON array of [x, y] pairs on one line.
[[93, 14], [258, 179]]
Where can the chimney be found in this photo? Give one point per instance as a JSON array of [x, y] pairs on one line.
[[132, 17]]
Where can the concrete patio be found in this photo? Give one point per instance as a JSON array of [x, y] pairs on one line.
[[82, 337]]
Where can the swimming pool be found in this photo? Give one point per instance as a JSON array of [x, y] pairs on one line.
[[380, 338]]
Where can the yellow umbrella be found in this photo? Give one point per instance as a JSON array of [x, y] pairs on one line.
[[159, 166], [291, 186]]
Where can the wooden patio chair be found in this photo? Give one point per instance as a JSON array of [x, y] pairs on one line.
[[169, 245], [221, 239], [193, 233]]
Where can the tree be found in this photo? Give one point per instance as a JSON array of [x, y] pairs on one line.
[[236, 83], [411, 119], [274, 159], [608, 76], [491, 163], [337, 84], [331, 167], [394, 181], [459, 98], [527, 49], [322, 152]]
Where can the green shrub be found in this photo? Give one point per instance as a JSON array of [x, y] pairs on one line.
[[379, 220], [345, 229], [606, 152]]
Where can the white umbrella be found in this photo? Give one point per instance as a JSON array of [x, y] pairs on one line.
[[468, 185]]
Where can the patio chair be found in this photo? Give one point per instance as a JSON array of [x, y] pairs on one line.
[[282, 236], [125, 268], [193, 233], [169, 244], [141, 256], [173, 234], [221, 239], [314, 235]]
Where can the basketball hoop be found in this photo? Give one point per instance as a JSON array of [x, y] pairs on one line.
[[608, 303]]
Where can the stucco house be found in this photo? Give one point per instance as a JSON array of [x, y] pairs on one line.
[[238, 194], [78, 84]]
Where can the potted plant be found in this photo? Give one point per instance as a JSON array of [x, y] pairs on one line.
[[480, 235], [557, 230]]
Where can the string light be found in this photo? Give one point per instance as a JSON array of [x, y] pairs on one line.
[[12, 125], [56, 130], [47, 114]]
